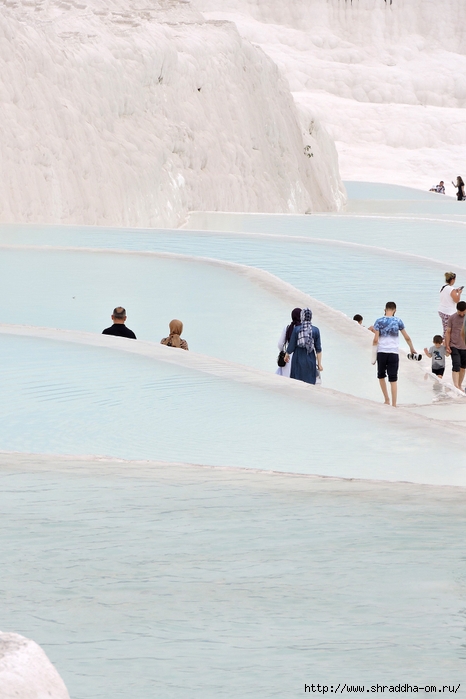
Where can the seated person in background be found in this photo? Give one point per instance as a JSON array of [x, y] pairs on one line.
[[119, 328], [439, 188], [174, 339]]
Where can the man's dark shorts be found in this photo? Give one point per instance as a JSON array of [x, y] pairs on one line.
[[458, 359], [387, 363], [439, 371]]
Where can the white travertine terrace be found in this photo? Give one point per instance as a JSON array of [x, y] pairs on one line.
[[137, 116], [26, 672], [387, 78]]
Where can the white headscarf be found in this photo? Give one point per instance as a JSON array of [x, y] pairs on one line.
[[305, 338]]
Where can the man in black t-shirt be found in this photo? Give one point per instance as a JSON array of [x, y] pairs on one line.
[[119, 328]]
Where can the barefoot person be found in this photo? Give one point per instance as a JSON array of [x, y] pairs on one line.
[[455, 345], [437, 354], [386, 338]]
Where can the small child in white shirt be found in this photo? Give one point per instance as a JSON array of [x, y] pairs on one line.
[[437, 354]]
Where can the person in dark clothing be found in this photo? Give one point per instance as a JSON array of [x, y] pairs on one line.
[[119, 328], [306, 348], [460, 194]]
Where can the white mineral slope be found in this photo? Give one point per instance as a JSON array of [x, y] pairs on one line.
[[387, 79], [26, 672], [136, 116]]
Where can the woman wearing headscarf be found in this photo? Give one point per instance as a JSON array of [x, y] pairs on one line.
[[284, 340], [174, 339], [306, 349]]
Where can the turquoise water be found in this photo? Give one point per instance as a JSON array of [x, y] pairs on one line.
[[81, 289], [170, 582], [350, 279], [437, 239], [60, 398]]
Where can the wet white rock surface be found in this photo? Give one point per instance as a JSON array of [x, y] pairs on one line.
[[26, 672]]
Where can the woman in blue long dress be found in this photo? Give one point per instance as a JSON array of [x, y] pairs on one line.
[[306, 348]]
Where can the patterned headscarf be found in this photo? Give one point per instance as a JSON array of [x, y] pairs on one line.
[[305, 338]]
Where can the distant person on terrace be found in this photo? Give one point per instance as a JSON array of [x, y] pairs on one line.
[[174, 339], [460, 194], [119, 328], [439, 188]]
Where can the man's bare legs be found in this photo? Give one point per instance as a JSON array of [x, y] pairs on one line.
[[393, 390], [383, 386], [458, 378]]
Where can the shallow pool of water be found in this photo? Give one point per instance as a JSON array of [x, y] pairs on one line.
[[222, 310], [143, 581], [225, 314], [432, 238], [350, 279], [63, 398]]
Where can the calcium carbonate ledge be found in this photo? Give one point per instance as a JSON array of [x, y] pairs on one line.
[[94, 465], [327, 398]]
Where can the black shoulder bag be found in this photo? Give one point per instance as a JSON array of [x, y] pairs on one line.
[[281, 357]]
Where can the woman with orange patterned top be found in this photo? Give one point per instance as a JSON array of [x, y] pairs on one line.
[[174, 339]]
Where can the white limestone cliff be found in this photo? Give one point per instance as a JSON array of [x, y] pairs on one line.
[[386, 78], [124, 116]]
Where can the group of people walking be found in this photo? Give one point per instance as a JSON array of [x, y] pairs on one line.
[[300, 344], [301, 348]]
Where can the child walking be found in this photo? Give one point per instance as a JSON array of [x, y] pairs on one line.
[[437, 354]]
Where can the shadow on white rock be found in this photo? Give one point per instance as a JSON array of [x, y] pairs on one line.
[[26, 672]]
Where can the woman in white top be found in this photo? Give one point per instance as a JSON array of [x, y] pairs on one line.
[[285, 338], [449, 297]]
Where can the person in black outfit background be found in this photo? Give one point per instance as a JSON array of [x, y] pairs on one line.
[[119, 328], [460, 194]]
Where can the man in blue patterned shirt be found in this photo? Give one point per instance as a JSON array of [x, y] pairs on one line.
[[386, 338]]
